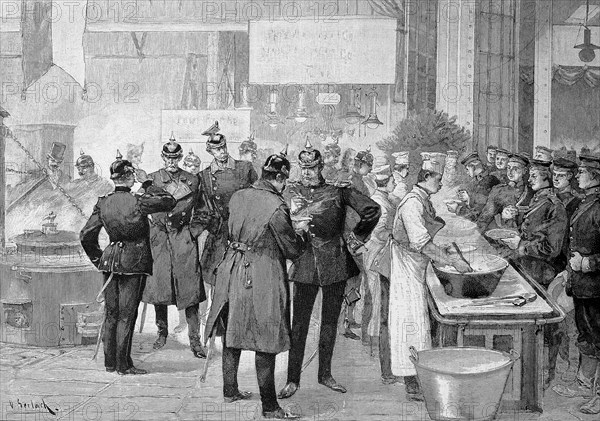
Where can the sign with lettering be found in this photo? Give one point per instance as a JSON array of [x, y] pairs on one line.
[[187, 127], [341, 50]]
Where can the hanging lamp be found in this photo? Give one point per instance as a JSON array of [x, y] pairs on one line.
[[372, 122], [301, 115], [587, 53]]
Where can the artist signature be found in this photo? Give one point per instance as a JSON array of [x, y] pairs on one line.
[[32, 405]]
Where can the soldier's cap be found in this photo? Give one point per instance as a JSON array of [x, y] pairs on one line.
[[543, 153], [540, 163], [365, 156], [470, 158], [402, 158], [278, 164], [57, 153], [501, 151], [544, 149], [452, 153], [172, 149], [84, 160], [589, 161], [215, 139], [563, 165], [492, 148], [309, 157], [192, 158], [120, 167], [519, 158]]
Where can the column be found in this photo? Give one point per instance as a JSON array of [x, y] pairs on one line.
[[543, 74]]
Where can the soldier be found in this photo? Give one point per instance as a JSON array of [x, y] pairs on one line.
[[502, 156], [221, 179], [191, 164], [252, 289], [516, 192], [177, 278], [127, 261], [584, 274], [474, 195], [331, 157], [326, 264], [539, 247], [491, 158], [248, 150], [400, 173], [85, 167]]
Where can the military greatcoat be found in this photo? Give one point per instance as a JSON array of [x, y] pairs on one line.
[[220, 184], [252, 277], [177, 278]]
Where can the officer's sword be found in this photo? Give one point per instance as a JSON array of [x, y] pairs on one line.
[[100, 299]]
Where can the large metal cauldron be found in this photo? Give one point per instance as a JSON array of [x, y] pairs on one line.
[[462, 383], [47, 290]]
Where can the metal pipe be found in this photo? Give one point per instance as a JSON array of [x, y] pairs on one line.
[[3, 114]]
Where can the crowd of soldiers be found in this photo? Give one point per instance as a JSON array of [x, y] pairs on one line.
[[215, 244]]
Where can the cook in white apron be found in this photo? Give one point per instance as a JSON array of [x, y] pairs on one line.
[[411, 250]]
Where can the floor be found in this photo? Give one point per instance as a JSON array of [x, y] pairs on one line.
[[64, 383]]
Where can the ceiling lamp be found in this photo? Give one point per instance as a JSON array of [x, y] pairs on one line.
[[273, 119], [353, 115], [587, 53], [372, 122], [301, 115]]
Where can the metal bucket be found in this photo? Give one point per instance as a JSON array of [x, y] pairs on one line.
[[462, 383]]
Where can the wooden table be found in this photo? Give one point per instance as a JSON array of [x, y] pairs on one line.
[[503, 327]]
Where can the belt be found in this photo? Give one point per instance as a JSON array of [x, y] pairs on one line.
[[237, 246]]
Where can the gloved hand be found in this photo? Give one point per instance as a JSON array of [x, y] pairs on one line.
[[575, 262]]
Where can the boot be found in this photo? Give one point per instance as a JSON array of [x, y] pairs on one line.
[[160, 341], [182, 322], [196, 347]]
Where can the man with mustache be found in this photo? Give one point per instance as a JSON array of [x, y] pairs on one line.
[[326, 264], [177, 279]]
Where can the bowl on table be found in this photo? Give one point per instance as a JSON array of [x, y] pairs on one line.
[[497, 235], [482, 282]]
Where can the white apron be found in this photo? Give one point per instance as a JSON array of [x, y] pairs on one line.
[[408, 318]]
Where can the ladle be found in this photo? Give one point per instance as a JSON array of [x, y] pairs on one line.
[[516, 300]]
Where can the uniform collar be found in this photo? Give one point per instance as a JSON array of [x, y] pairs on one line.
[[123, 189], [543, 192], [230, 164], [266, 186], [520, 185], [592, 191], [481, 175], [167, 176]]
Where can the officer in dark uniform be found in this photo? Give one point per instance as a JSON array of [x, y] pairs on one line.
[[502, 196], [584, 277], [474, 195], [220, 180], [326, 264], [177, 279], [128, 258]]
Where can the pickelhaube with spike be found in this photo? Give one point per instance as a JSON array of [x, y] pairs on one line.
[[215, 139], [278, 163], [172, 149], [121, 167], [84, 160], [248, 145], [309, 157], [333, 148], [192, 159]]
